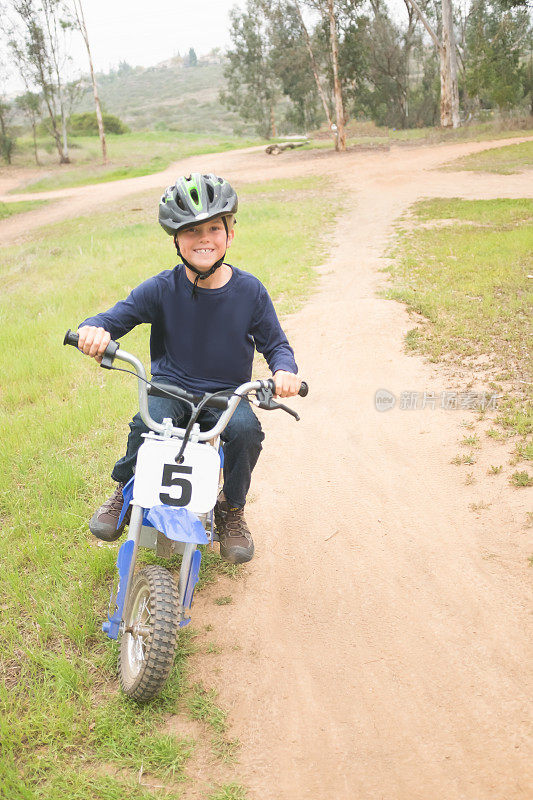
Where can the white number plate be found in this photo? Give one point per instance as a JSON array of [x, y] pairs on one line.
[[193, 484]]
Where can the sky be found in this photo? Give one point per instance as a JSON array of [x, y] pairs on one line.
[[146, 32]]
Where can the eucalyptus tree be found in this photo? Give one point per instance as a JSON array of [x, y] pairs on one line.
[[37, 39]]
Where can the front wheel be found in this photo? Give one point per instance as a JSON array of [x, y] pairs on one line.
[[151, 628]]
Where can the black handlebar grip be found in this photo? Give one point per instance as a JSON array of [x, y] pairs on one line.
[[303, 390], [109, 353], [71, 338]]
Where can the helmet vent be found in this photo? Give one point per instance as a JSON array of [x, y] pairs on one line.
[[194, 196], [210, 192], [180, 203]]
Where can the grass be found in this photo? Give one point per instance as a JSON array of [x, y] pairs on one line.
[[367, 134], [64, 422], [8, 209], [130, 155], [462, 267], [503, 160]]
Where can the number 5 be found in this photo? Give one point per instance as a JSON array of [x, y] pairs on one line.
[[169, 479]]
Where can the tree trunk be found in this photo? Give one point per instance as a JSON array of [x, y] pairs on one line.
[[449, 93], [273, 130], [314, 67], [449, 90], [34, 132], [340, 143], [83, 28]]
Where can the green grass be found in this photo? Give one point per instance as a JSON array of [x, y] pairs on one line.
[[504, 160], [463, 265], [64, 423], [130, 155], [367, 134], [8, 209]]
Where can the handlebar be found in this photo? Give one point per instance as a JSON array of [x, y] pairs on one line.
[[264, 388]]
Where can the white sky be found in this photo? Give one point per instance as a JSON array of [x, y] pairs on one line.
[[146, 32]]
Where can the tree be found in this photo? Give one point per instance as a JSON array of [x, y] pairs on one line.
[[192, 60], [446, 49], [314, 66], [340, 143], [497, 39], [7, 141], [30, 105], [37, 41], [252, 83], [82, 27], [288, 57]]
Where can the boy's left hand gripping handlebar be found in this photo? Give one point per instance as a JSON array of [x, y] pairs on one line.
[[109, 354]]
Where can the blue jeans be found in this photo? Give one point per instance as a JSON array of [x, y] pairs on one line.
[[242, 439]]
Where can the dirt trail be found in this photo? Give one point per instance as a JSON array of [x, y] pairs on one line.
[[377, 646], [381, 627]]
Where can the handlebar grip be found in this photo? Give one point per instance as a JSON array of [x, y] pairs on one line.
[[303, 390], [71, 338], [109, 353]]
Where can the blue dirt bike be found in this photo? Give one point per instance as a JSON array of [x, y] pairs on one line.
[[172, 494]]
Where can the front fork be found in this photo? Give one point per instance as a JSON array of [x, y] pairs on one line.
[[127, 555]]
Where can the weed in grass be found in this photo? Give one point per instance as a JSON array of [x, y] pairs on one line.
[[212, 648], [471, 441], [201, 705], [463, 458], [225, 749], [225, 600], [481, 506], [469, 480], [521, 479], [229, 791], [493, 470], [493, 433], [524, 451]]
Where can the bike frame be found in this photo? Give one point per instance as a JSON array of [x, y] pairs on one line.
[[181, 527]]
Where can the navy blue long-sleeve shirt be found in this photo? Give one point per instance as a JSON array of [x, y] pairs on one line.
[[202, 344]]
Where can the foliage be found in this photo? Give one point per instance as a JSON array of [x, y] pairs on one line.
[[37, 41], [86, 124], [251, 81], [498, 33]]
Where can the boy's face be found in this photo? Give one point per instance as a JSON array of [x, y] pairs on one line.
[[204, 244]]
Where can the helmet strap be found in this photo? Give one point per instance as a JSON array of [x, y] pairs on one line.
[[201, 276]]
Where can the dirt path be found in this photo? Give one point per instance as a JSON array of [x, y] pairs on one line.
[[377, 646]]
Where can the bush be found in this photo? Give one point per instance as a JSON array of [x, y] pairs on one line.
[[86, 124]]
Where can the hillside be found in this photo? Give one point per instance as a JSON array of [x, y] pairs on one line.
[[166, 96]]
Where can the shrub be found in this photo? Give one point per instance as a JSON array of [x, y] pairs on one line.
[[86, 124]]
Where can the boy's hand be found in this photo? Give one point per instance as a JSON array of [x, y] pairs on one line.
[[287, 383], [93, 341]]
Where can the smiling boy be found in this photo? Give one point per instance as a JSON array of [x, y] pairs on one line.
[[203, 339]]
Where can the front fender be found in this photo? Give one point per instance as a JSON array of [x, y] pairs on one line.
[[178, 524]]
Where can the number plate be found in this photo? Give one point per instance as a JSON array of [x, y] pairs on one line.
[[193, 484]]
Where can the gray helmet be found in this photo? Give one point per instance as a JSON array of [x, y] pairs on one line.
[[195, 199]]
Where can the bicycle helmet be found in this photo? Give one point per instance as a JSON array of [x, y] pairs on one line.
[[194, 200]]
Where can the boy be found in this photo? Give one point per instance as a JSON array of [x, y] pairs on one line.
[[202, 339]]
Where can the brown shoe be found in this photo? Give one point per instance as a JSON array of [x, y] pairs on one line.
[[104, 521], [236, 543]]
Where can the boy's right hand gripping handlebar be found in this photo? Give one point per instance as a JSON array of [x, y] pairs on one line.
[[109, 353]]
